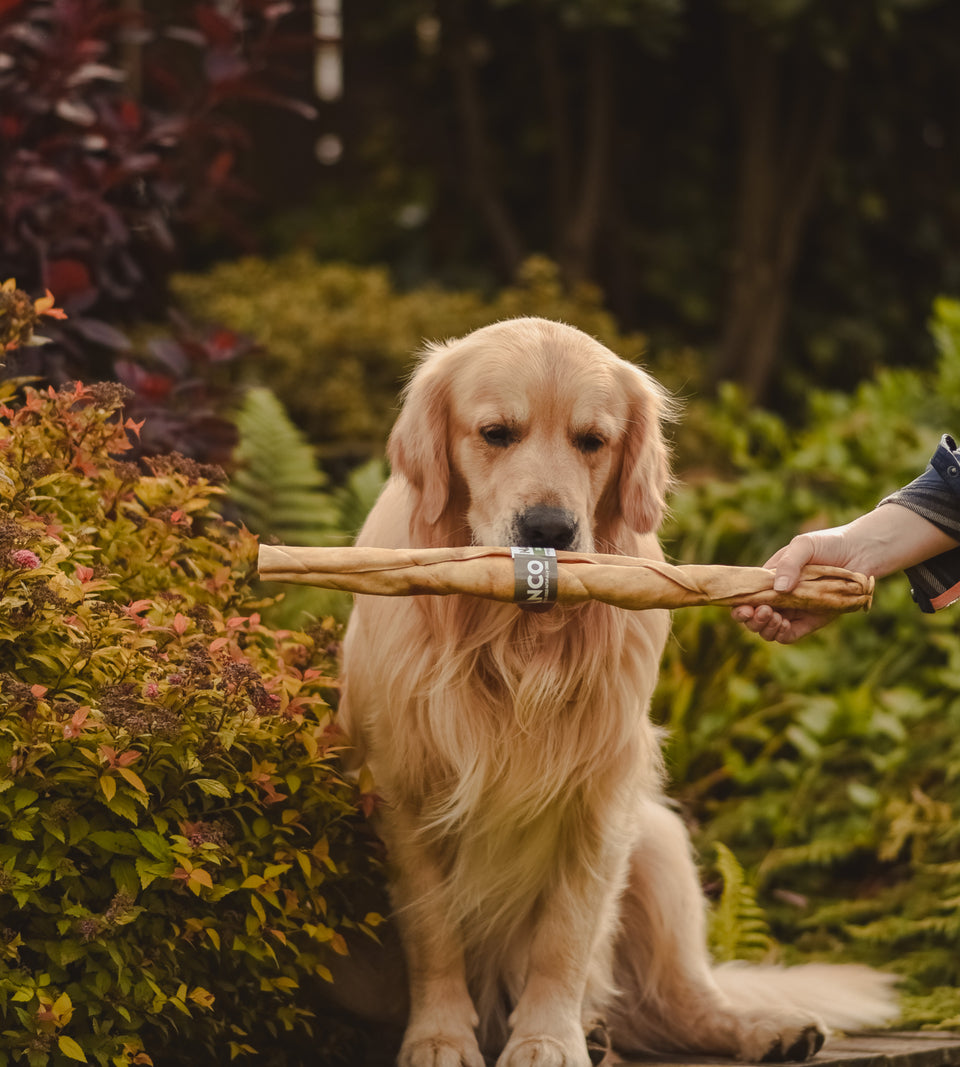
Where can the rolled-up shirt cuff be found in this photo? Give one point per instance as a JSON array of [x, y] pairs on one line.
[[935, 583], [935, 496]]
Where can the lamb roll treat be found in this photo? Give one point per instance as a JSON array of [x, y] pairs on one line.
[[540, 577]]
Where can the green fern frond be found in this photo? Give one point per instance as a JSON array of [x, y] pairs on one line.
[[896, 928], [281, 492], [890, 900], [926, 967], [738, 925], [356, 498], [937, 1010], [820, 852], [278, 488]]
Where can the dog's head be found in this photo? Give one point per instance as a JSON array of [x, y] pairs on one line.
[[529, 432]]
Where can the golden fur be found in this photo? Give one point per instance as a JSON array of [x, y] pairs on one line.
[[539, 881]]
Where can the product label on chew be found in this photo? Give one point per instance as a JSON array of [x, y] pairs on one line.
[[534, 575]]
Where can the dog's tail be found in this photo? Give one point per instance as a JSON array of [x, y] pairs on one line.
[[846, 996]]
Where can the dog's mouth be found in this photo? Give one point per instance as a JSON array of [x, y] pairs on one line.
[[536, 535]]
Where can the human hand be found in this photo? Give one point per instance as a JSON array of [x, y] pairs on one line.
[[786, 625], [889, 538]]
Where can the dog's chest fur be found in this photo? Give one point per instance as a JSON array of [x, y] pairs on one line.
[[523, 745]]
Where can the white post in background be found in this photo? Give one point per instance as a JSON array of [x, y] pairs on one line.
[[328, 70]]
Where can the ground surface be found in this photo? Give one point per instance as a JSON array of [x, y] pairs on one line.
[[920, 1049]]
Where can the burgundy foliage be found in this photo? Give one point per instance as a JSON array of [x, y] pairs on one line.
[[118, 135]]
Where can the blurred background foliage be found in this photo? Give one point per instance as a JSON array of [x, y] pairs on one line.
[[829, 767], [758, 199], [338, 373]]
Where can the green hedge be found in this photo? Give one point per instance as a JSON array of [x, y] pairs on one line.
[[179, 851]]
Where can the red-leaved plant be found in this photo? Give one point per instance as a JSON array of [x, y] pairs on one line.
[[114, 130]]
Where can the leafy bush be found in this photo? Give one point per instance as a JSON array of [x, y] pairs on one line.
[[338, 340], [99, 164], [830, 767], [179, 852]]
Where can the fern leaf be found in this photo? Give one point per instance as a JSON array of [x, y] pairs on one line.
[[278, 488], [357, 497], [937, 1010], [820, 852], [738, 926]]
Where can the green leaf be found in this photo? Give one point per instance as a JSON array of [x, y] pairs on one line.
[[157, 846], [124, 806], [115, 841], [23, 797], [213, 788], [149, 870], [77, 829], [70, 1048]]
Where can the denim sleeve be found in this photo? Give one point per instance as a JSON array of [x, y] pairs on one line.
[[935, 495]]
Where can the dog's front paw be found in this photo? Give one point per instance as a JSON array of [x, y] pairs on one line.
[[778, 1041], [544, 1052], [440, 1050]]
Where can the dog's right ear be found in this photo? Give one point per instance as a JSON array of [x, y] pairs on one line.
[[417, 448]]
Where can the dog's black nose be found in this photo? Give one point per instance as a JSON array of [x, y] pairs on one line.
[[546, 527]]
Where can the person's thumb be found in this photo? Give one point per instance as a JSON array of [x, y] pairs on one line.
[[790, 561]]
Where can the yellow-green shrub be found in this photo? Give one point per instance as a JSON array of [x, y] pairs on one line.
[[178, 851]]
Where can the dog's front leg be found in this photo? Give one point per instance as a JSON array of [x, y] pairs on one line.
[[570, 949], [440, 1028]]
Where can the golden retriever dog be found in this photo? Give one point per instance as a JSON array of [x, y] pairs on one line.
[[540, 882]]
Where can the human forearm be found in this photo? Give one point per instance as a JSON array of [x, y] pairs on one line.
[[891, 538]]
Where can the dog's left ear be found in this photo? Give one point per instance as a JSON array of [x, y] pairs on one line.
[[645, 467]]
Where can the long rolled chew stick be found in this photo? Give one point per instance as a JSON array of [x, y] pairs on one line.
[[623, 581]]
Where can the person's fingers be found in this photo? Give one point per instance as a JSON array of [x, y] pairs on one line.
[[784, 628], [803, 625], [759, 618], [772, 627], [762, 620], [787, 626]]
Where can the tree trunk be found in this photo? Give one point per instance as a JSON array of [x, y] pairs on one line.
[[579, 236], [554, 88], [478, 153], [788, 126]]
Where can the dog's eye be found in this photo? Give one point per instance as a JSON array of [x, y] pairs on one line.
[[498, 435], [589, 442]]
